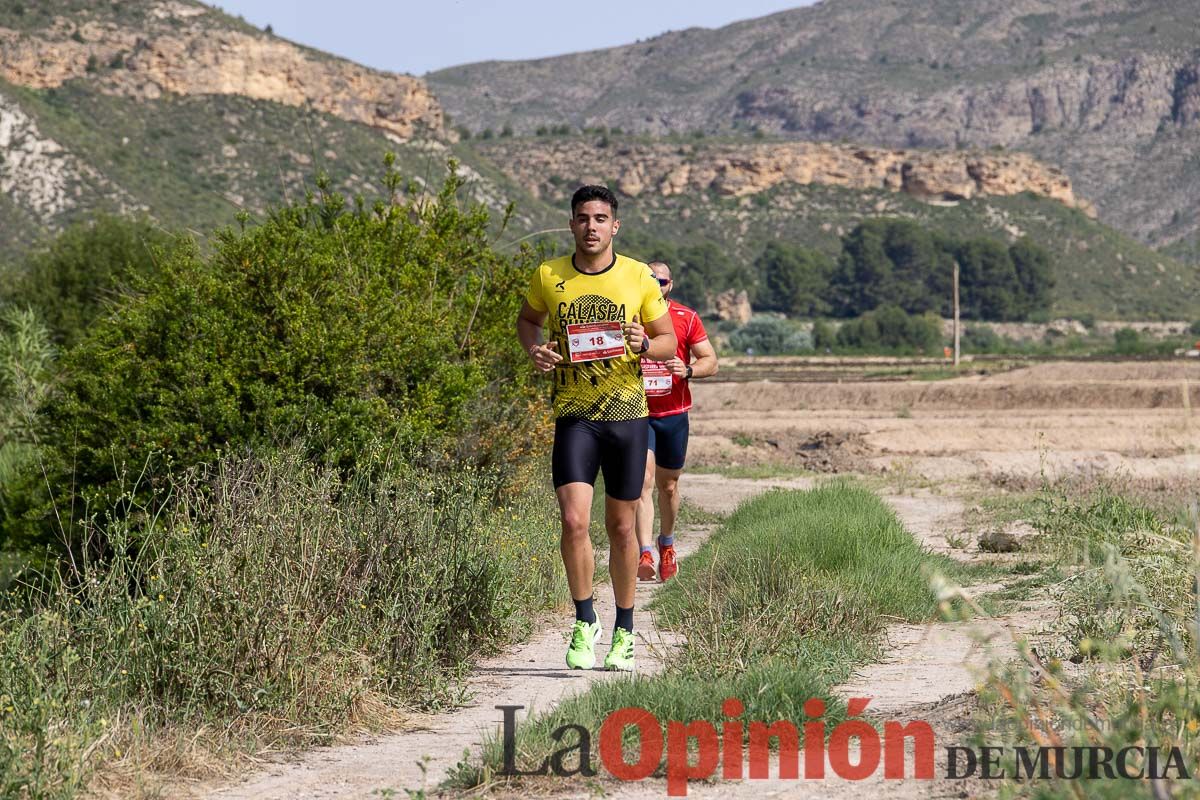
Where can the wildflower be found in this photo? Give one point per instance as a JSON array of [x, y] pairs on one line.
[[1193, 726]]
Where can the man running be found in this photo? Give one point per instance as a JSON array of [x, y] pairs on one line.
[[604, 311], [670, 398]]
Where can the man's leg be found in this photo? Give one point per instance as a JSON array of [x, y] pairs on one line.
[[623, 462], [575, 510], [576, 460], [619, 519], [645, 521], [672, 451], [668, 500]]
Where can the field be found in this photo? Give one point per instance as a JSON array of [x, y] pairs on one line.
[[1003, 422]]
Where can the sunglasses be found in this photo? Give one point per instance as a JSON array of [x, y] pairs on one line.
[[663, 281]]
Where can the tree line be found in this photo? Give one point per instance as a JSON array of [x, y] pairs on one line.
[[883, 262]]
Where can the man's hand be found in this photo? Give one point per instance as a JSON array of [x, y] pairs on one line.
[[545, 356], [677, 367], [635, 334]]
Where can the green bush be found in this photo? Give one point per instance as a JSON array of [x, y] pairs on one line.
[[770, 336], [26, 363], [334, 324], [890, 329], [85, 270], [1127, 341], [823, 335], [981, 339]]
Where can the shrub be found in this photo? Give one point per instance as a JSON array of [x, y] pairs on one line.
[[339, 325], [889, 329], [823, 335], [981, 339], [26, 359], [1127, 341], [762, 336], [84, 271]]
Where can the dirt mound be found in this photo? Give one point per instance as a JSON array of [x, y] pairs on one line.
[[832, 451]]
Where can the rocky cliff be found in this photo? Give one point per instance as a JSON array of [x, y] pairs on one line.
[[186, 48], [737, 170], [1107, 89]]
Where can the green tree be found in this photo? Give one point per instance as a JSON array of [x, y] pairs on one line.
[[989, 288], [1035, 275], [85, 270], [863, 276], [705, 269], [922, 270], [794, 280]]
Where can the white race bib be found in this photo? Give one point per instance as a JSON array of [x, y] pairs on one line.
[[594, 341], [657, 378]]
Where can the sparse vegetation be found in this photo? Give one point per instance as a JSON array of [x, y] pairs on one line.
[[1119, 666]]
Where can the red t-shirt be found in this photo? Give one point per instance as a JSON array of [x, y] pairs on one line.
[[666, 394]]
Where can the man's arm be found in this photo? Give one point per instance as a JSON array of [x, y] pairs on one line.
[[705, 363], [662, 338], [530, 322]]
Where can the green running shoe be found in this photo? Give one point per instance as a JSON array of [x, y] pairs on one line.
[[582, 652], [620, 655]]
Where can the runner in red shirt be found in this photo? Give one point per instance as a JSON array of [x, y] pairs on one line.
[[670, 398]]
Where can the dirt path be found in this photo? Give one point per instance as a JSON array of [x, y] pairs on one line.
[[928, 670]]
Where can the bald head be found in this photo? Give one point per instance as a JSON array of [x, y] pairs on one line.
[[663, 273]]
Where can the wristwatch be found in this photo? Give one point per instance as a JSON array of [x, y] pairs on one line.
[[645, 344], [689, 373]]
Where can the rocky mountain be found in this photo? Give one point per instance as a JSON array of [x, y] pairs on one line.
[[173, 109], [740, 195], [1107, 89]]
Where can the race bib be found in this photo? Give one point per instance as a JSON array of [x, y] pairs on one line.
[[594, 341], [657, 378]]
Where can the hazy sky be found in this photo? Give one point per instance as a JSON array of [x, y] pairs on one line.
[[418, 36]]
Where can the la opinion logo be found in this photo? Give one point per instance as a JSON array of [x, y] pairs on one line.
[[726, 748]]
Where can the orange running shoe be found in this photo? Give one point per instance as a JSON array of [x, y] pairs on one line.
[[667, 565], [646, 566]]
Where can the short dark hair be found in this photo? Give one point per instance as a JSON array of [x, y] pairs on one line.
[[591, 192]]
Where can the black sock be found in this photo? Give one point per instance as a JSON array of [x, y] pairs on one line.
[[624, 618], [584, 610]]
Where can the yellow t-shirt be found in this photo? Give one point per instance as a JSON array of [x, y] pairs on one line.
[[599, 378]]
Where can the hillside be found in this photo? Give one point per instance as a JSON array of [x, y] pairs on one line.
[[179, 111], [741, 196], [176, 110], [1107, 89]]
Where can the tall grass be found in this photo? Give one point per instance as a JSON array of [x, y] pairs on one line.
[[778, 606], [1119, 666], [267, 602]]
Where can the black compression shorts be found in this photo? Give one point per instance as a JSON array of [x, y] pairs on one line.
[[669, 439], [583, 447]]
